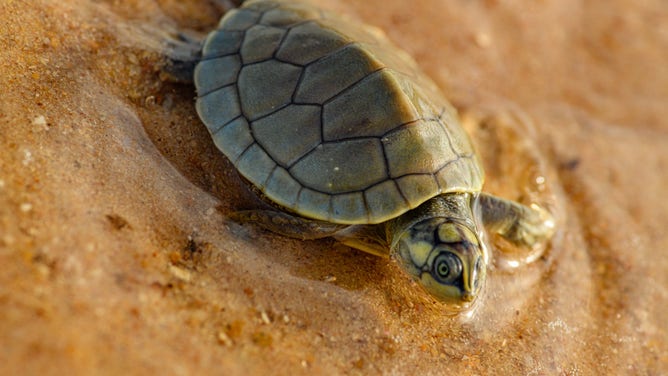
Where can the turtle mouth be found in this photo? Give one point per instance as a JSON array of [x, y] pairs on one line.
[[468, 297], [454, 294]]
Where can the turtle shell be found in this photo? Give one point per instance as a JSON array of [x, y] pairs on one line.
[[327, 117]]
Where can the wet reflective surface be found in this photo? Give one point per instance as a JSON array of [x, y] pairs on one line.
[[117, 253]]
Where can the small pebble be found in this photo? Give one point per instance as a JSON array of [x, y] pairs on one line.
[[149, 101], [180, 273], [27, 157], [265, 317], [40, 121], [224, 339], [262, 339], [483, 39]]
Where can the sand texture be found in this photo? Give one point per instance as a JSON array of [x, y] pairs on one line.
[[117, 256]]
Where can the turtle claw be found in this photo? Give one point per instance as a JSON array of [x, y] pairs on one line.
[[528, 229]]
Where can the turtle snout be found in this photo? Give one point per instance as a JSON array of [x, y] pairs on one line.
[[476, 278]]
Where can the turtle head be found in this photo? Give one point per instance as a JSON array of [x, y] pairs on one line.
[[445, 256]]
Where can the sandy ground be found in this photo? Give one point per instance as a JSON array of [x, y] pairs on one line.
[[117, 258]]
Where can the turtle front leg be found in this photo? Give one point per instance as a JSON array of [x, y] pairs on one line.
[[527, 227], [288, 225]]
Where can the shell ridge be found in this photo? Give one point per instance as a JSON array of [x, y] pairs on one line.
[[226, 124], [216, 89], [401, 192], [271, 174], [447, 134], [213, 57], [236, 161], [349, 87], [343, 47]]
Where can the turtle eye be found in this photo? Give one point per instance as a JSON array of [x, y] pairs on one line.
[[447, 267]]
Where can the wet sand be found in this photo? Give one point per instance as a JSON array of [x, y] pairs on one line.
[[117, 254]]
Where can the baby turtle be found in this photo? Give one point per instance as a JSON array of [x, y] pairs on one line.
[[344, 135]]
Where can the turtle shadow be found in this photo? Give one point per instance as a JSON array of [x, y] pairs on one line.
[[324, 260], [180, 137]]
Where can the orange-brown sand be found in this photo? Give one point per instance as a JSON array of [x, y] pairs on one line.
[[117, 256]]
